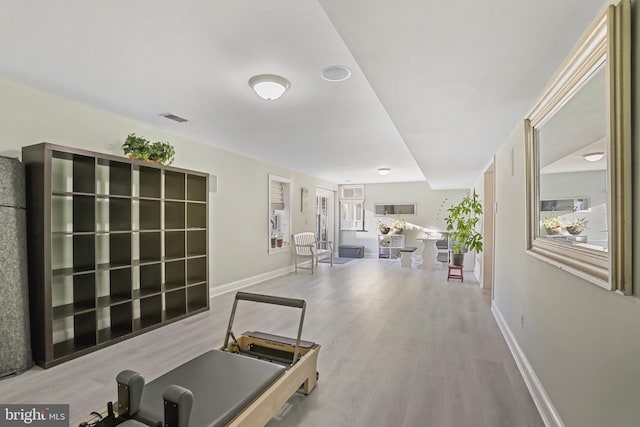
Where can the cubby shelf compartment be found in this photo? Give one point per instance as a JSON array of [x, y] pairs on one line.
[[196, 215], [174, 185], [150, 279], [196, 243], [150, 182], [149, 214], [73, 295], [174, 245], [119, 214], [196, 270], [116, 247], [197, 188], [150, 247], [74, 333], [174, 275], [150, 312], [174, 215], [197, 297], [175, 304]]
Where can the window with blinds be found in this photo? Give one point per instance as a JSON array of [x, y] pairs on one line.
[[279, 213], [277, 195]]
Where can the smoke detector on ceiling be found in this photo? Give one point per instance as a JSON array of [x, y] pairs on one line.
[[336, 73]]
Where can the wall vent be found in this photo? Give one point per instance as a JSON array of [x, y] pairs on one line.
[[174, 117]]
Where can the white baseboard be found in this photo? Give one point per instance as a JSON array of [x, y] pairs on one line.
[[540, 397], [248, 281], [476, 274]]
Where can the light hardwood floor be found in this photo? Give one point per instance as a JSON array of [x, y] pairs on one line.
[[400, 347]]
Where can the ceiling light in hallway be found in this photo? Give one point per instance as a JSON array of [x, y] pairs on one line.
[[384, 171], [269, 86], [593, 157]]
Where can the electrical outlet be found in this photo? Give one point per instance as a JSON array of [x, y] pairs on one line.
[[522, 321]]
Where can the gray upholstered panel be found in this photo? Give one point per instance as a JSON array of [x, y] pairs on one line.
[[15, 351], [12, 183], [222, 385]]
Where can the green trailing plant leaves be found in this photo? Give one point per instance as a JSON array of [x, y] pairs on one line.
[[142, 148]]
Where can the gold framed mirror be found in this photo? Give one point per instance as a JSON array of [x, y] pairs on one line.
[[578, 147]]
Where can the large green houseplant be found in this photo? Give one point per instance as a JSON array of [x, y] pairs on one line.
[[461, 225]]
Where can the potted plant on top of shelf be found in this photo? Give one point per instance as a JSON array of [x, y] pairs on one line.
[[552, 225], [577, 225], [461, 225], [383, 227], [398, 226], [140, 148]]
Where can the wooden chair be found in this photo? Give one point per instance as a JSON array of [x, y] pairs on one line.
[[306, 246]]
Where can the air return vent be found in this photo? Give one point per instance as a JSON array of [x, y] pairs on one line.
[[174, 117]]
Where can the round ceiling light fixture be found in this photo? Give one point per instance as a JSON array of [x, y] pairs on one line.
[[336, 73], [593, 157], [269, 86], [384, 171]]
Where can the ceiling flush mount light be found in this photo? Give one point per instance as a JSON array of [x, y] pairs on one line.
[[269, 86], [593, 157], [384, 171], [336, 73]]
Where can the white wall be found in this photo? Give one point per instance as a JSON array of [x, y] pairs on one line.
[[583, 342], [238, 212]]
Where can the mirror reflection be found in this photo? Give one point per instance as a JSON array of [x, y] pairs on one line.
[[572, 148]]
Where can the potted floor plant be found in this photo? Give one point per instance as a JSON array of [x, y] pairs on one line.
[[461, 226], [137, 147]]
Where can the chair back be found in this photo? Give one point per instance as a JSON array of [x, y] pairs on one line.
[[301, 242]]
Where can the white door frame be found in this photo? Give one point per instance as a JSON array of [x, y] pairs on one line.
[[488, 258], [330, 195]]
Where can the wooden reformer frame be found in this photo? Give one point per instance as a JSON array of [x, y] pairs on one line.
[[302, 371]]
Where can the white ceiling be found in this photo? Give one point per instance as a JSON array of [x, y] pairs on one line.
[[579, 127], [436, 86]]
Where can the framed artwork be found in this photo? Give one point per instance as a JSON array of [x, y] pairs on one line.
[[304, 193]]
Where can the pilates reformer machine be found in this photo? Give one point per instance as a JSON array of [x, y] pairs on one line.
[[244, 383]]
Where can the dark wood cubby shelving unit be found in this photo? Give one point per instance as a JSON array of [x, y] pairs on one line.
[[117, 247]]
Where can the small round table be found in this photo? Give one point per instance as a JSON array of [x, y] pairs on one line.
[[427, 258]]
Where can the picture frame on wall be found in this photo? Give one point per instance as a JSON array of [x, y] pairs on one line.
[[304, 197]]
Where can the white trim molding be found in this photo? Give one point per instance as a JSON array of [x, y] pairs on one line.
[[215, 291], [540, 397]]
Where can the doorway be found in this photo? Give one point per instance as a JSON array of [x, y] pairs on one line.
[[488, 229], [324, 215]]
